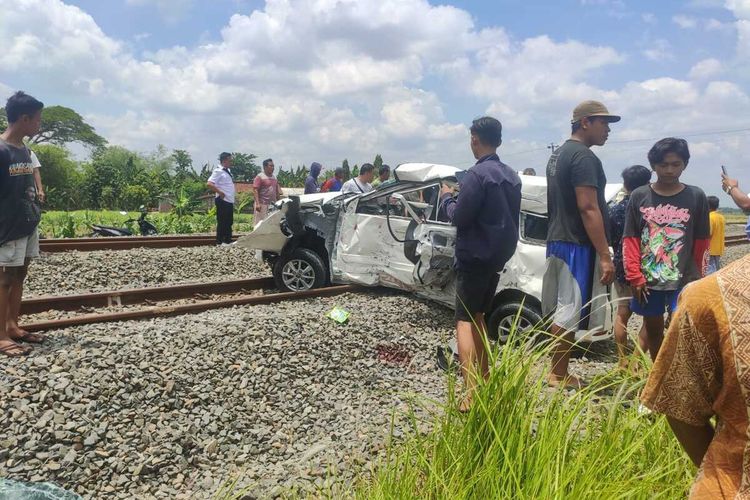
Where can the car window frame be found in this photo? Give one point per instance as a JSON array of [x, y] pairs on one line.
[[522, 226]]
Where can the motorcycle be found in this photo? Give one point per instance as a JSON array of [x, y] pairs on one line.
[[145, 227]]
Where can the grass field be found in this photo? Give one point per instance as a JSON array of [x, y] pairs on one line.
[[58, 224]]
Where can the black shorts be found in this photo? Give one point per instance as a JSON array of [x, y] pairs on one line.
[[475, 291]]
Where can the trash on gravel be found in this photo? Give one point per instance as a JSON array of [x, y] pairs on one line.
[[339, 315]]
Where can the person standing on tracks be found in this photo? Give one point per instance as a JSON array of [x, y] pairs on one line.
[[486, 215], [334, 183], [718, 226], [266, 191], [666, 240], [360, 184], [311, 183], [20, 214], [222, 183], [577, 236]]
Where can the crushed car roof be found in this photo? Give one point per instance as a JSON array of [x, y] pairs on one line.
[[423, 172]]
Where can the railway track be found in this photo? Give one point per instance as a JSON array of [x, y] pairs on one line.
[[128, 242], [735, 240], [207, 295], [125, 242]]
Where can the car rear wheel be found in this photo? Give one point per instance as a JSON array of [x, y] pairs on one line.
[[524, 318], [300, 270]]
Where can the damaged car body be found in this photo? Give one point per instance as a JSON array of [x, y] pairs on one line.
[[396, 237]]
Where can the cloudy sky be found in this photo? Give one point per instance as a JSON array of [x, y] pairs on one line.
[[306, 80]]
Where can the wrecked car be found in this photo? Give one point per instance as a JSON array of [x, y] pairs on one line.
[[393, 237]]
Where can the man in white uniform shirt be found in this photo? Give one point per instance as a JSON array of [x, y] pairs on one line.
[[222, 184], [361, 184]]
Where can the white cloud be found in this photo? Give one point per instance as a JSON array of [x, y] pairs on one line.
[[649, 18], [659, 50], [707, 68], [685, 22]]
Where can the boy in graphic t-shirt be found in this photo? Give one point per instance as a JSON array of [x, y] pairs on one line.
[[666, 238]]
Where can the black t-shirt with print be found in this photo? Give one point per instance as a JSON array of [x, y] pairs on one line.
[[573, 165], [668, 227], [19, 210]]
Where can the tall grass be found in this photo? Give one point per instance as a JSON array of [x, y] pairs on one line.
[[522, 439]]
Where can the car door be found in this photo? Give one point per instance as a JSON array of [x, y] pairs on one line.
[[369, 241]]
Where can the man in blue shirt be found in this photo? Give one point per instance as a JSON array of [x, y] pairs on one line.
[[486, 215]]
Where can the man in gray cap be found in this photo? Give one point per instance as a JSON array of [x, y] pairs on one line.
[[577, 239]]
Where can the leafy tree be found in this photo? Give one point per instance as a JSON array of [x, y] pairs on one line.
[[347, 172], [205, 172], [244, 168], [61, 125], [61, 177], [134, 196], [355, 171], [183, 164], [3, 120], [377, 163]]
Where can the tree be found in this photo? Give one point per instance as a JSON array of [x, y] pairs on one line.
[[61, 177], [345, 168], [61, 125], [183, 164], [244, 168], [377, 163]]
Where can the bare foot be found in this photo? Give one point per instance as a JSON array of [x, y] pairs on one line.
[[566, 382], [20, 335], [12, 349], [465, 405]]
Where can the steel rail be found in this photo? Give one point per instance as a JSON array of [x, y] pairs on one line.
[[139, 295], [123, 243], [176, 310], [735, 240]]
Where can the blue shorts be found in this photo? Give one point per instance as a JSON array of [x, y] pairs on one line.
[[658, 302], [567, 284]]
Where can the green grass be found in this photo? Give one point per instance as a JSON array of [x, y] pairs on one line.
[[59, 224], [524, 440]]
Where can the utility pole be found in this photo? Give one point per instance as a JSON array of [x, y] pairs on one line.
[[552, 147]]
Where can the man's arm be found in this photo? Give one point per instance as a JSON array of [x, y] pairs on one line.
[[694, 440], [212, 187], [740, 199], [593, 222], [38, 181]]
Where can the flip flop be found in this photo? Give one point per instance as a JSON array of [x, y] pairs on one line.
[[13, 350], [567, 383], [31, 338]]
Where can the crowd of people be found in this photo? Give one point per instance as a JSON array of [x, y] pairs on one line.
[[667, 238]]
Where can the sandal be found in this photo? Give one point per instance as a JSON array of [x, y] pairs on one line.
[[13, 350], [31, 338], [567, 383]]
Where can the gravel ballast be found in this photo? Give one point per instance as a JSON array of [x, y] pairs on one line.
[[173, 407]]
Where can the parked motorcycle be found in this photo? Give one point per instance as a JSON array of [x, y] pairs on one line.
[[145, 227]]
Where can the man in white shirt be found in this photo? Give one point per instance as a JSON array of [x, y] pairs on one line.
[[222, 184], [361, 184]]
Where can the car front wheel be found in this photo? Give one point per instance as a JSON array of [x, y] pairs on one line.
[[526, 320], [300, 270]]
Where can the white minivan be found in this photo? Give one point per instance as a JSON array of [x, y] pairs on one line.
[[394, 237]]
